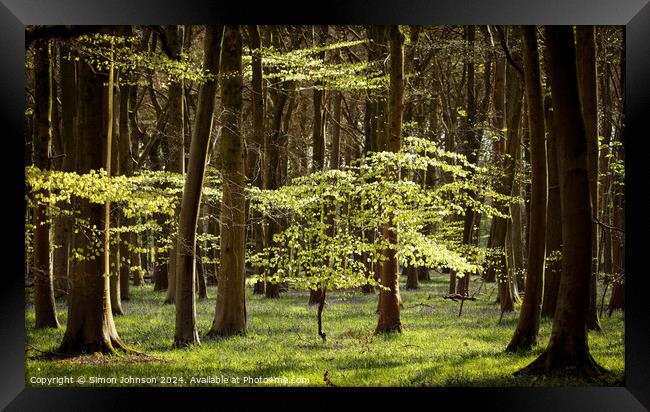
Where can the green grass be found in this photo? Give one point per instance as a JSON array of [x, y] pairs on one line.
[[437, 348]]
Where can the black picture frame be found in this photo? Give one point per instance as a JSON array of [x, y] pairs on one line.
[[16, 14]]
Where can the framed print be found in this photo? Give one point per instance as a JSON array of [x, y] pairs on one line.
[[397, 200]]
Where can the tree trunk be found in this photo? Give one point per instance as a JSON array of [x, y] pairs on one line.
[[125, 167], [63, 228], [412, 273], [44, 306], [175, 140], [271, 169], [202, 287], [514, 94], [471, 149], [587, 85], [516, 237], [318, 154], [116, 300], [230, 314], [553, 220], [186, 333], [617, 300], [568, 350], [255, 149], [525, 335], [389, 300], [90, 327]]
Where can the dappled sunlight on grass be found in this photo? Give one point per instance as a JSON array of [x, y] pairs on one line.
[[436, 348]]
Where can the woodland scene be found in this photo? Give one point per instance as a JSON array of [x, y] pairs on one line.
[[253, 205]]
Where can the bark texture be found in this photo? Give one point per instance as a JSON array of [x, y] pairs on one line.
[[186, 333], [568, 349], [230, 314]]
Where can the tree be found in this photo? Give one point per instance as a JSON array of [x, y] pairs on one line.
[[174, 140], [389, 310], [568, 348], [587, 85], [255, 151], [63, 224], [525, 335], [553, 219], [90, 327], [272, 176], [617, 299], [128, 256], [114, 259], [498, 262], [186, 333], [318, 138], [44, 307], [230, 314]]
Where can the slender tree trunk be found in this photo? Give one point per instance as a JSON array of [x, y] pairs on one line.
[[499, 123], [230, 314], [553, 221], [568, 348], [175, 140], [472, 145], [129, 239], [116, 300], [202, 287], [256, 147], [272, 178], [525, 335], [617, 300], [44, 306], [186, 333], [389, 310], [587, 84], [514, 94], [63, 229], [318, 155], [516, 238]]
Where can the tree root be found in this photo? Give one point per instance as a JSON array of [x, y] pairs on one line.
[[521, 342], [111, 346], [583, 366]]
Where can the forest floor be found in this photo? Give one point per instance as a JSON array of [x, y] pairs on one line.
[[282, 347]]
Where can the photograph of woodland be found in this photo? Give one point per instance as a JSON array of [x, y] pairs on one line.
[[324, 205]]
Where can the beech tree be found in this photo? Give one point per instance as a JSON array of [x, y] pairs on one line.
[[174, 140], [587, 84], [90, 327], [186, 333], [568, 348], [528, 325], [389, 310], [230, 313], [44, 307], [335, 161]]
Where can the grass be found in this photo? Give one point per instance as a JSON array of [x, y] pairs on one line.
[[437, 348]]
